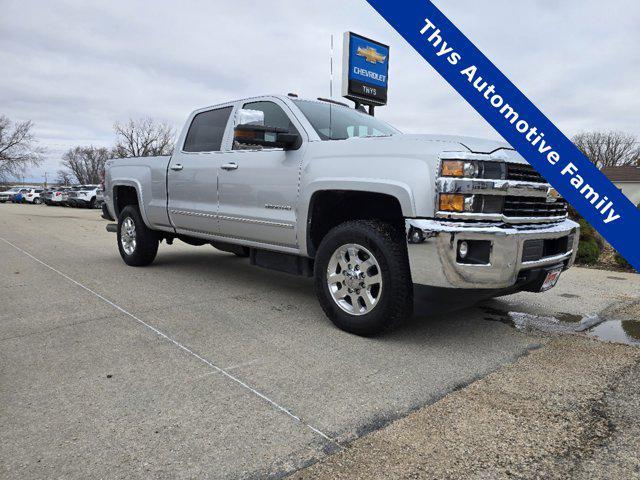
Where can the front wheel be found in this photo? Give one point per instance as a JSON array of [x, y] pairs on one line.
[[362, 277], [138, 244]]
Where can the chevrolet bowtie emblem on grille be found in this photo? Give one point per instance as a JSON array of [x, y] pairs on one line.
[[371, 55], [552, 195]]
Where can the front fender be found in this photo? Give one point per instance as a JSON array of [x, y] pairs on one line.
[[399, 190]]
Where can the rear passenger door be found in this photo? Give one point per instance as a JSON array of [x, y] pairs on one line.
[[192, 178]]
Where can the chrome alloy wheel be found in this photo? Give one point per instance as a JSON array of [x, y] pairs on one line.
[[354, 279], [128, 236]]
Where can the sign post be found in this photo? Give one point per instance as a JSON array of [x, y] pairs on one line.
[[365, 71]]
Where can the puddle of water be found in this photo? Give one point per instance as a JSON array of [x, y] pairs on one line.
[[560, 323], [495, 314], [619, 331]]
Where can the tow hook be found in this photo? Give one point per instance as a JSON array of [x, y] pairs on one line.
[[112, 227]]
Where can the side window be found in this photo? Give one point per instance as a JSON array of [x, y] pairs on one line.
[[274, 116], [206, 131]]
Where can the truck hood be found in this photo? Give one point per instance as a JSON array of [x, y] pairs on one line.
[[410, 145], [455, 143], [472, 144]]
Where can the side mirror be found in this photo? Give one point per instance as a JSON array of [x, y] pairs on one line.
[[250, 130], [269, 137]]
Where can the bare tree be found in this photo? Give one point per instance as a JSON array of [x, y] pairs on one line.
[[143, 138], [18, 149], [609, 149], [64, 177], [86, 164]]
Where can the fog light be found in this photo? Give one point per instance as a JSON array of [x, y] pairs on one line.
[[463, 249]]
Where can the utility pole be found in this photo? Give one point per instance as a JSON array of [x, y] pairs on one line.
[[45, 179]]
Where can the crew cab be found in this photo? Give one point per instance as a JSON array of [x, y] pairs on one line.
[[317, 188]]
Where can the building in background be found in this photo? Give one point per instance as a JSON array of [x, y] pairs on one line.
[[626, 179]]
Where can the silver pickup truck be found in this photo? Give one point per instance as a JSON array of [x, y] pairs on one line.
[[316, 188]]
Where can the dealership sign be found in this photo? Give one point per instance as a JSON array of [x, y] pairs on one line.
[[365, 70], [518, 120]]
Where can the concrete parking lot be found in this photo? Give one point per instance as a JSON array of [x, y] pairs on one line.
[[204, 366]]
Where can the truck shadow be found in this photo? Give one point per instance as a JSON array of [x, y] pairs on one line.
[[432, 307]]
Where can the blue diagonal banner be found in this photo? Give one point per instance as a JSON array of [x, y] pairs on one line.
[[518, 120]]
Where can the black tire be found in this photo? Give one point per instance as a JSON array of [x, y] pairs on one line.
[[388, 246], [146, 240], [37, 201], [92, 203]]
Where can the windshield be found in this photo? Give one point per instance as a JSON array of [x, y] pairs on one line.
[[335, 122]]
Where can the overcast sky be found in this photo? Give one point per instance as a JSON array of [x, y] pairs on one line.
[[76, 67]]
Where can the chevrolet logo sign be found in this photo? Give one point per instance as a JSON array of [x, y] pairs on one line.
[[371, 55]]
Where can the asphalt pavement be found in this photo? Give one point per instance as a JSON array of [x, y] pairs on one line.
[[204, 366]]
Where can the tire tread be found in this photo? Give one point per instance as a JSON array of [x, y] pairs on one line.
[[392, 244]]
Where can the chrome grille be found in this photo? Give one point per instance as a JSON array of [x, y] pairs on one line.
[[523, 173], [533, 207]]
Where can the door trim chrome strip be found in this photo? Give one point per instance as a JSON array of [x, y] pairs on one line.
[[233, 219], [257, 222]]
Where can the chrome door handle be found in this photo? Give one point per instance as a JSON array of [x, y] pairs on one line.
[[230, 166], [177, 167]]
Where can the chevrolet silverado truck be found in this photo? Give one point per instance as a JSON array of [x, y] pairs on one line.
[[316, 188]]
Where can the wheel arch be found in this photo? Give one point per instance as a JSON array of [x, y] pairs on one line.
[[327, 205], [128, 192]]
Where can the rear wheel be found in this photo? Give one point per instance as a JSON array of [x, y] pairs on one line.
[[138, 244], [37, 201], [362, 277]]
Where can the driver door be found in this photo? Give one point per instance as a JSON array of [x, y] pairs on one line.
[[258, 189]]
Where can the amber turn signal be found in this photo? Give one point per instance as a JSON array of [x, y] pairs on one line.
[[452, 168], [451, 202]]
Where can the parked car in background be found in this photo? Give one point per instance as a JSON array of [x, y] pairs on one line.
[[46, 195], [100, 197], [33, 196], [71, 195], [84, 196], [7, 195], [58, 196], [19, 196]]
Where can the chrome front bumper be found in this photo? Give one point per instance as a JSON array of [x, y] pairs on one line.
[[433, 252]]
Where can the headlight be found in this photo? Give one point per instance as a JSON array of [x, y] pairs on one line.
[[459, 168], [451, 202]]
